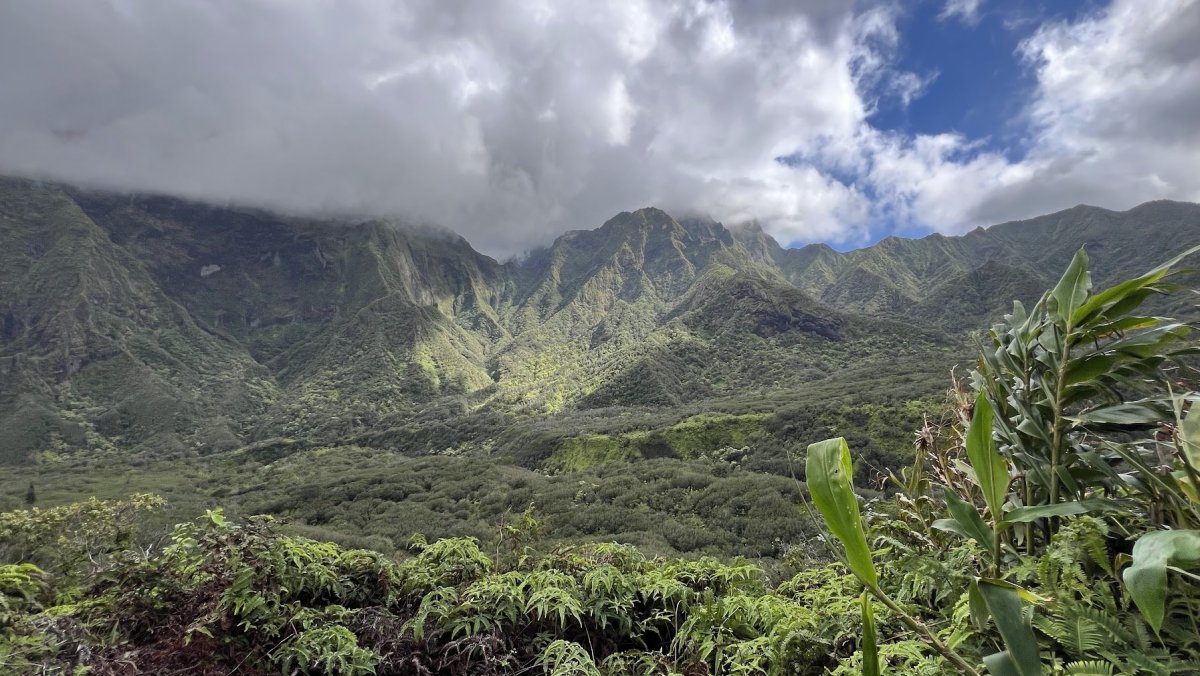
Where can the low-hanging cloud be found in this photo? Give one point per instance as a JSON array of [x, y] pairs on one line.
[[512, 121]]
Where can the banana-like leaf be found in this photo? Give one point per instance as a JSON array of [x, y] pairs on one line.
[[1143, 413], [1088, 368], [1004, 605], [1150, 342], [1117, 300], [1019, 314], [870, 645], [1001, 664], [965, 521], [1146, 578], [991, 469], [1027, 514], [828, 471], [1071, 291], [1113, 295], [1189, 435], [976, 605], [1121, 326], [1021, 592]]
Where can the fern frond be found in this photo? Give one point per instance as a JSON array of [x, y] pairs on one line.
[[1089, 668]]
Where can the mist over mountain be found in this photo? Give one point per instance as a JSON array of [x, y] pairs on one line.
[[165, 327]]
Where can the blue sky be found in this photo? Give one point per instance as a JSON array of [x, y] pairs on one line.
[[977, 82], [980, 82], [512, 122]]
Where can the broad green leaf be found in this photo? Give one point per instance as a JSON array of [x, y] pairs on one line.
[[1120, 326], [1001, 664], [1088, 368], [953, 526], [1123, 297], [1004, 604], [1018, 316], [1149, 343], [1067, 479], [828, 471], [1034, 427], [976, 605], [1189, 436], [1071, 291], [1146, 578], [1122, 414], [966, 521], [1021, 592], [1190, 490], [870, 645], [991, 469], [1027, 514], [1115, 294]]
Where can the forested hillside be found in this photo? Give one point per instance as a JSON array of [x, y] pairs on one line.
[[164, 329], [1047, 524]]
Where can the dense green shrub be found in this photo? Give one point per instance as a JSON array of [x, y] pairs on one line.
[[1073, 474], [222, 595]]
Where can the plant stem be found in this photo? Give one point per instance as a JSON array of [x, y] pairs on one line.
[[1184, 573], [920, 628], [996, 548], [1028, 526], [1060, 377]]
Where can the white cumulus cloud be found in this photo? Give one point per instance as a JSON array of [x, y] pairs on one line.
[[512, 121]]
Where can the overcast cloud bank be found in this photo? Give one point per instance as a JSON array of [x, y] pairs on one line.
[[513, 121]]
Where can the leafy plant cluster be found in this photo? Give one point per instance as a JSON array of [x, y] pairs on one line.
[[218, 596], [1070, 475]]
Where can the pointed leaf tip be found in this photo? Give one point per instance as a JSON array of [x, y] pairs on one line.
[[828, 471]]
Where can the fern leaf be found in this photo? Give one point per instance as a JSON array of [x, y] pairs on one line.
[[1089, 668]]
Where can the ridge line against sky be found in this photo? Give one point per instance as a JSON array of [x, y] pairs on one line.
[[512, 122]]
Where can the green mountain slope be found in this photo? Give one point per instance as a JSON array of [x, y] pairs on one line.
[[636, 312], [165, 327], [94, 353], [914, 278], [352, 321]]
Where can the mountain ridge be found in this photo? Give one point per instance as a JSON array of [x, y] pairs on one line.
[[246, 326]]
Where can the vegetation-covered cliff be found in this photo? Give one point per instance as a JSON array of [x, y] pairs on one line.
[[164, 328]]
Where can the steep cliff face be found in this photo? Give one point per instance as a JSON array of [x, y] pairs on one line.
[[163, 326], [93, 351], [603, 310]]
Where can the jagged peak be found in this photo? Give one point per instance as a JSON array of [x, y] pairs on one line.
[[750, 230], [643, 216], [809, 253], [817, 247], [652, 212], [652, 223]]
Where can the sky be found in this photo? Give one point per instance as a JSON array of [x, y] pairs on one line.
[[512, 121]]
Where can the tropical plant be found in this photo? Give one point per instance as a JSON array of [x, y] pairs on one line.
[[1064, 398]]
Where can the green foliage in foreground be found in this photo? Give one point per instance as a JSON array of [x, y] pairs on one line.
[[1048, 525], [1086, 525], [225, 595]]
